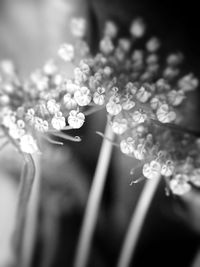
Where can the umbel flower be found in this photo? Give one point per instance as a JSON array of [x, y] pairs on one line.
[[140, 93]]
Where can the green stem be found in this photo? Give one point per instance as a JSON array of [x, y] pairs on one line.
[[94, 200], [137, 221]]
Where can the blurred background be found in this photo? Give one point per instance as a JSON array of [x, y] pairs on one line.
[[30, 33]]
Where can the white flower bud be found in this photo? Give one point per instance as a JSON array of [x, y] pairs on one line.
[[152, 170], [76, 119], [69, 101], [164, 115], [127, 146], [58, 122], [83, 96], [28, 144], [195, 177], [140, 152], [139, 117], [113, 107], [143, 95], [167, 169], [179, 184], [176, 97], [119, 126], [52, 106]]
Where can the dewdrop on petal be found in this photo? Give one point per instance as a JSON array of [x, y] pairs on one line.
[[66, 52], [83, 96], [179, 185], [127, 146], [78, 27], [76, 119], [151, 170], [164, 115], [28, 144], [119, 126], [137, 28]]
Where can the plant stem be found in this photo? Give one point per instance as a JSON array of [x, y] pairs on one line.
[[26, 182], [94, 200], [137, 221], [32, 218]]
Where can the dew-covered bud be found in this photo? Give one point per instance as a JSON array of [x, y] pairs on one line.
[[164, 115], [69, 101], [83, 96], [152, 170], [175, 98], [28, 144], [52, 106], [127, 146], [179, 184], [167, 169], [99, 96], [140, 152], [58, 122], [76, 119], [195, 177], [143, 95], [80, 76], [188, 83], [138, 116], [113, 106], [119, 126]]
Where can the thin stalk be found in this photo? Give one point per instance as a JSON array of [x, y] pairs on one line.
[[94, 200], [137, 221], [30, 230], [26, 182]]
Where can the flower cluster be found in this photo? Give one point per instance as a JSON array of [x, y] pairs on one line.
[[140, 92]]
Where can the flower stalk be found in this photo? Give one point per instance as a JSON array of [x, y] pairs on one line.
[[26, 183], [137, 222], [94, 201]]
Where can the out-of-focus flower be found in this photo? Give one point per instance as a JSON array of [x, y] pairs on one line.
[[66, 52]]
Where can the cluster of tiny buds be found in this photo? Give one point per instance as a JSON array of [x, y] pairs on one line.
[[136, 90]]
